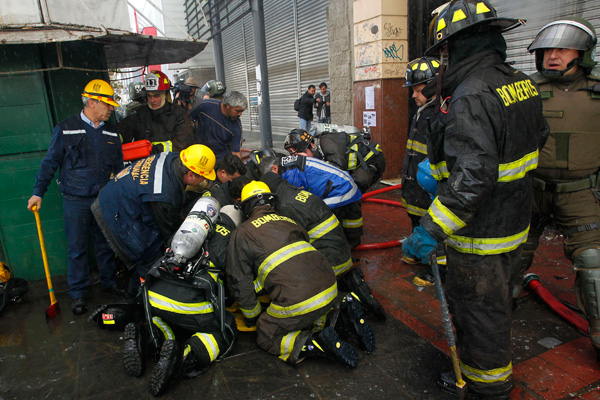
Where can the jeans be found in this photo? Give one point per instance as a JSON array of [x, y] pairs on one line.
[[325, 120], [304, 124], [79, 224]]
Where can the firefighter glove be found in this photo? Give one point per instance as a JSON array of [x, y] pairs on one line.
[[420, 245]]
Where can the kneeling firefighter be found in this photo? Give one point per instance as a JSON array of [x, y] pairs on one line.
[[184, 305]]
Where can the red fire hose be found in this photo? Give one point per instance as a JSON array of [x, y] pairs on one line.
[[532, 282], [382, 245]]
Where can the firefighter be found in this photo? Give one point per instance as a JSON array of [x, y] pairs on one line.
[[140, 209], [186, 324], [164, 124], [350, 151], [326, 235], [482, 147], [270, 252], [566, 183], [334, 186], [416, 200]]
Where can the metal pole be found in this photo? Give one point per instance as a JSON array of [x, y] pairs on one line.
[[218, 48], [262, 76]]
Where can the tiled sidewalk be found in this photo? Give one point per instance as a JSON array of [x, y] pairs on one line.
[[567, 371]]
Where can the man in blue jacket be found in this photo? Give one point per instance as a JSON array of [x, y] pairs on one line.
[[142, 207], [88, 152], [334, 186]]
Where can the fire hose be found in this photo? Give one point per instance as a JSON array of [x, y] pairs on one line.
[[532, 282], [366, 198]]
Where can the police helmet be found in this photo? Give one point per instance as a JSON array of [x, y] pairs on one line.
[[421, 70], [460, 15], [214, 88], [569, 33]]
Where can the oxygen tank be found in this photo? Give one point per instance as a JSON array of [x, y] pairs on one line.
[[318, 129], [190, 236]]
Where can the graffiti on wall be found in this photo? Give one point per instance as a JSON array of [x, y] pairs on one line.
[[394, 52], [392, 31]]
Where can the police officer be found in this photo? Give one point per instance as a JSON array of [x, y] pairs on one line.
[[271, 252], [164, 124], [481, 148], [88, 151], [350, 151], [416, 200], [566, 184], [141, 207]]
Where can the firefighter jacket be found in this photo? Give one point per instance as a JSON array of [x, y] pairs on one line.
[[194, 307], [363, 158], [141, 206], [324, 229], [169, 128], [414, 197], [572, 109], [334, 186], [218, 240], [482, 152], [271, 252], [88, 157]]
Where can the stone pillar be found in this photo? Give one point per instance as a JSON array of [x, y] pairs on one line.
[[341, 72], [380, 58]]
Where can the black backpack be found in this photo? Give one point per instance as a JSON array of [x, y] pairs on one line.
[[297, 104]]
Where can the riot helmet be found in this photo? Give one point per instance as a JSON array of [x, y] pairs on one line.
[[570, 33], [214, 88]]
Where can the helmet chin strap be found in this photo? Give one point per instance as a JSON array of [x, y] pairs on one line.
[[553, 73]]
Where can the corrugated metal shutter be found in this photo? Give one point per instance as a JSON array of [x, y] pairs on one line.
[[235, 57], [538, 14], [296, 57]]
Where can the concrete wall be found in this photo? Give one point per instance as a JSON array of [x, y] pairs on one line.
[[341, 59]]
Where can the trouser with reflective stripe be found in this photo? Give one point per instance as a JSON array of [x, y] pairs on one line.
[[479, 294], [575, 214], [285, 337], [350, 217], [207, 345]]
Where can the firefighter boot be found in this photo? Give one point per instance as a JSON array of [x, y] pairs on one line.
[[326, 343], [353, 281], [191, 364], [164, 368], [133, 355], [351, 324]]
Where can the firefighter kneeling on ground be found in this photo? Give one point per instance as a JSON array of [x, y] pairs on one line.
[[186, 325], [325, 232], [270, 252]]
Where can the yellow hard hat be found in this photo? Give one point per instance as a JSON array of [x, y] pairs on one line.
[[200, 160], [98, 89], [253, 188]]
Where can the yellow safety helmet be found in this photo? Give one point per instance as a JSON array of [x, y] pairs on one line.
[[98, 89], [254, 188], [200, 160]]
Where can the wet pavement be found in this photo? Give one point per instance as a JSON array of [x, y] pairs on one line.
[[70, 358]]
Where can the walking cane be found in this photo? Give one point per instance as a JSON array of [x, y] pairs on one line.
[[54, 307], [461, 385]]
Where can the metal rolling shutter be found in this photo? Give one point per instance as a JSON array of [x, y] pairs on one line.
[[296, 58], [538, 14]]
